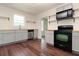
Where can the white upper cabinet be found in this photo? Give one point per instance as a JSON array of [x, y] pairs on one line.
[[31, 24], [76, 5], [68, 6], [76, 24], [52, 26], [52, 23], [76, 8], [64, 7]]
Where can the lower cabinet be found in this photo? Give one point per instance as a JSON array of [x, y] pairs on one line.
[[21, 35], [24, 35], [49, 37], [18, 36], [8, 36], [36, 33], [12, 36], [1, 38], [75, 41]]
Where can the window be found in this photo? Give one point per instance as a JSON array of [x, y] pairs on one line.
[[18, 20]]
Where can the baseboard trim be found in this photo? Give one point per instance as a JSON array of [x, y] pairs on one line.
[[13, 42], [75, 52], [48, 44], [16, 42]]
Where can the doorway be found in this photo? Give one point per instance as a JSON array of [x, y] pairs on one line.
[[44, 26]]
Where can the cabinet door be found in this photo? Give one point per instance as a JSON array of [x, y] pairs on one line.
[[8, 37], [25, 35], [11, 37], [1, 38], [52, 23], [76, 5], [49, 37], [75, 41], [18, 35], [21, 35], [5, 37], [35, 33], [76, 24]]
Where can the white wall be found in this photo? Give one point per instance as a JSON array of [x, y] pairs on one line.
[[9, 12]]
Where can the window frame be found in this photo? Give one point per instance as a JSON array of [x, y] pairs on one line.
[[19, 20]]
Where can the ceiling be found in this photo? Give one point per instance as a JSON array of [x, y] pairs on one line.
[[32, 8]]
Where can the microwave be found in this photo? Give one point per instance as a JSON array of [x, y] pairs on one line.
[[65, 14]]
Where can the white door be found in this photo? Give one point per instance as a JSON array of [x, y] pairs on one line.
[[44, 26]]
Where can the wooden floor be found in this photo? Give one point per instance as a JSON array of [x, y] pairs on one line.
[[31, 48]]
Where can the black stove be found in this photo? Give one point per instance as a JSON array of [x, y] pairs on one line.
[[63, 37]]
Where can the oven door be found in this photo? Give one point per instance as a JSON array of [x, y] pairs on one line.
[[63, 39]]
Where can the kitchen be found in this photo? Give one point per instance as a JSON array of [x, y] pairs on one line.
[[20, 25]]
